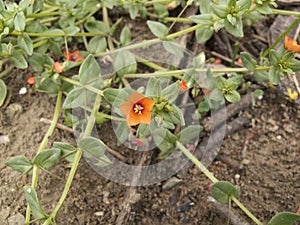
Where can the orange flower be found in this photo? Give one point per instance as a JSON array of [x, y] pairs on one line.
[[31, 80], [291, 45], [58, 67], [74, 56], [183, 86], [137, 109]]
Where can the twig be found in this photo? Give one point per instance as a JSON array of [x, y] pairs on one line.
[[58, 125], [68, 129], [224, 58]]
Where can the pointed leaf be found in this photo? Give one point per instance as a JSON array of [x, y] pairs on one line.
[[248, 61], [173, 47], [18, 60], [19, 21], [233, 96], [89, 71], [25, 43], [153, 87], [203, 34], [222, 191], [93, 147], [3, 92], [284, 218], [31, 198], [47, 158], [125, 63], [125, 37], [122, 132], [236, 29], [66, 150], [189, 133], [171, 92], [19, 163], [158, 29], [75, 98], [97, 45], [97, 27]]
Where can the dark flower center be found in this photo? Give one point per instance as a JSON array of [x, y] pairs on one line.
[[138, 108]]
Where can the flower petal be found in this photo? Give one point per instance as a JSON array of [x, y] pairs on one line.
[[135, 97], [133, 118], [125, 108], [145, 118], [147, 103]]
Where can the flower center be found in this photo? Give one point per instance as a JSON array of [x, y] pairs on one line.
[[138, 108], [72, 58]]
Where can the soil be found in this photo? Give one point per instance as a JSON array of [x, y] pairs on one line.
[[263, 160]]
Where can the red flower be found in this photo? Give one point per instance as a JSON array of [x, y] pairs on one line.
[[291, 45], [58, 67], [73, 56], [183, 86], [137, 109]]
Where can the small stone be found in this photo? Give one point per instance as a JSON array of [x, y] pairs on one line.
[[237, 177], [14, 110], [171, 183], [23, 91], [17, 219], [101, 213], [279, 137], [288, 128], [4, 139]]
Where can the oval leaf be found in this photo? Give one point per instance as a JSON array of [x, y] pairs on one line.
[[124, 63], [286, 218], [89, 71], [18, 60], [19, 21], [47, 158], [222, 191], [19, 163], [33, 202], [25, 43], [158, 29], [93, 147], [97, 45], [3, 92]]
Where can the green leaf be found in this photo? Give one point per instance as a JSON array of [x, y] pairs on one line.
[[125, 37], [153, 87], [48, 84], [19, 163], [92, 147], [18, 60], [284, 218], [57, 32], [97, 45], [133, 10], [243, 6], [189, 133], [19, 21], [124, 63], [66, 150], [258, 93], [71, 31], [78, 97], [275, 57], [203, 34], [110, 94], [176, 115], [23, 4], [89, 71], [222, 191], [47, 158], [248, 61], [122, 132], [237, 29], [220, 10], [204, 105], [161, 10], [25, 43], [31, 198], [274, 75], [158, 29], [203, 19], [38, 61], [261, 76], [264, 9], [173, 47], [171, 92], [165, 141], [97, 27], [3, 92], [205, 6], [232, 96]]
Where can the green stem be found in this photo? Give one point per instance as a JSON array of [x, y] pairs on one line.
[[214, 180], [177, 73], [77, 83], [187, 153], [86, 34], [43, 146], [66, 188], [246, 211], [148, 63], [171, 19], [296, 21], [43, 14], [182, 32], [110, 117], [87, 132], [285, 12], [6, 71]]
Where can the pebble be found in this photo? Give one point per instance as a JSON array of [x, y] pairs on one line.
[[23, 91], [101, 213], [14, 110], [279, 137], [171, 183], [17, 219]]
